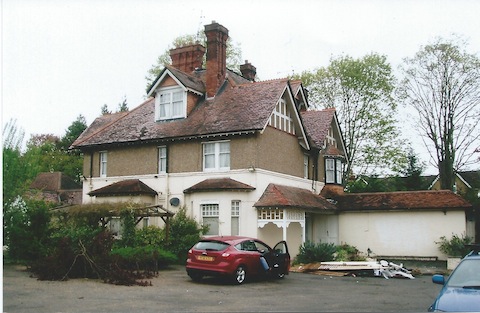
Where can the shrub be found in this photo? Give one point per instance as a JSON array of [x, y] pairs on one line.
[[311, 252], [143, 257], [346, 252], [455, 246], [184, 233], [27, 229]]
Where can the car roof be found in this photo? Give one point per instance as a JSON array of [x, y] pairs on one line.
[[228, 239]]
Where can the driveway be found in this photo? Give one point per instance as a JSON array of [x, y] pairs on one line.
[[173, 291]]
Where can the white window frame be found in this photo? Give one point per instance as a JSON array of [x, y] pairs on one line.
[[103, 163], [162, 159], [216, 155], [333, 171], [235, 217], [305, 166], [210, 211], [172, 108]]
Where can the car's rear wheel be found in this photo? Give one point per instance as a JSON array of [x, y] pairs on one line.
[[240, 275], [195, 276]]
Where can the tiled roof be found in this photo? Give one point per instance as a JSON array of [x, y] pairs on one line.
[[241, 108], [471, 177], [124, 187], [54, 181], [219, 184], [292, 197], [317, 124], [404, 201]]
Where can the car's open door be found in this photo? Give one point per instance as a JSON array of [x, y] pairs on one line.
[[281, 258]]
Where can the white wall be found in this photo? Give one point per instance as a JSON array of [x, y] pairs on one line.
[[400, 233]]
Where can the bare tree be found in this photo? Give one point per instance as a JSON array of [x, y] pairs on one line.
[[442, 84]]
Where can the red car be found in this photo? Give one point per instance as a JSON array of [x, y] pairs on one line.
[[237, 257]]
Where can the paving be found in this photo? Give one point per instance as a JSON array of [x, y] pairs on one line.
[[173, 291]]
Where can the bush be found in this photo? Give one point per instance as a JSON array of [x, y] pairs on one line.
[[184, 233], [346, 252], [143, 257], [456, 246], [311, 252], [27, 229]]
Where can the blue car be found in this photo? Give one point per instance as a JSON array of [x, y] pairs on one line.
[[461, 291]]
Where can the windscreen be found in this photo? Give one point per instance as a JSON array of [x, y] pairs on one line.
[[211, 245]]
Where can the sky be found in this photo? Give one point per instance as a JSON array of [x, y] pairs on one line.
[[63, 58]]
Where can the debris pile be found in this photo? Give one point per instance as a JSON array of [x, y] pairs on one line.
[[354, 268]]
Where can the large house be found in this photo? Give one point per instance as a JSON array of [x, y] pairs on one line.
[[242, 156]]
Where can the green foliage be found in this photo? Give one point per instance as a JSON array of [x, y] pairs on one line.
[[184, 232], [361, 91], [346, 252], [128, 228], [149, 236], [73, 132], [315, 252], [26, 229], [455, 246], [143, 257]]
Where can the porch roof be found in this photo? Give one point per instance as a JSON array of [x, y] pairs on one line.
[[279, 196], [219, 184], [124, 187]]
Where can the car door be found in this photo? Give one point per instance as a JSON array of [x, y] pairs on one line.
[[281, 257], [250, 255]]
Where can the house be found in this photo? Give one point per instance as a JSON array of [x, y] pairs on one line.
[[242, 156], [55, 187]]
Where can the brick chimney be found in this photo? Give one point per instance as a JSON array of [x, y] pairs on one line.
[[188, 58], [217, 36], [248, 71]]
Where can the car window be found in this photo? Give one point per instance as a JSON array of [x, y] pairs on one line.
[[211, 245], [247, 245], [467, 274], [261, 246]]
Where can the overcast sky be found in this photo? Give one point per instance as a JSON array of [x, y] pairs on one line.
[[63, 58]]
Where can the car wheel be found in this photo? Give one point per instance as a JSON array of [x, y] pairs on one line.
[[240, 275], [195, 276]]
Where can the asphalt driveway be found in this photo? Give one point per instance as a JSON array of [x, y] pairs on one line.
[[173, 291]]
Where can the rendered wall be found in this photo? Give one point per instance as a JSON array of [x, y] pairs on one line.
[[400, 233]]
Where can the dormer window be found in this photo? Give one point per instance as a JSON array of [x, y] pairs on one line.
[[170, 103], [333, 171]]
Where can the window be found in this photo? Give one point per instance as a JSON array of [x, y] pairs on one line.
[[103, 164], [170, 103], [162, 159], [333, 171], [235, 212], [210, 218], [216, 156], [305, 166]]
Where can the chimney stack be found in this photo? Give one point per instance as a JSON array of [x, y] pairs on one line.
[[248, 71], [188, 58], [217, 36]]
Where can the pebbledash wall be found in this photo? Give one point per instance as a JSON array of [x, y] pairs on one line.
[[400, 233]]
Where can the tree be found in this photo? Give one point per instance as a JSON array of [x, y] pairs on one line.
[[104, 110], [361, 91], [13, 169], [442, 84], [73, 132], [234, 55], [123, 106]]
